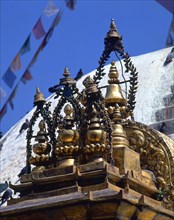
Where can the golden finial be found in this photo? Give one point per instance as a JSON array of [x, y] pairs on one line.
[[90, 85], [66, 72], [113, 93], [96, 138], [113, 32], [41, 135], [67, 80], [67, 140], [38, 97], [119, 137], [94, 122], [113, 74], [68, 111], [41, 149]]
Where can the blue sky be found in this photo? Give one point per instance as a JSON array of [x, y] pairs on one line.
[[77, 41]]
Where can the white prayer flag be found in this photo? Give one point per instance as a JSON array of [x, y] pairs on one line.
[[51, 9]]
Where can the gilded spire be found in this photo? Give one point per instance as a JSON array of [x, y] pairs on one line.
[[41, 135], [38, 97], [66, 72], [113, 32], [113, 74], [40, 149], [119, 137], [113, 93], [67, 80], [68, 139], [96, 145], [68, 110]]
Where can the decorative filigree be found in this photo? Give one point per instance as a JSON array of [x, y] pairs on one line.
[[153, 152], [168, 199], [133, 81]]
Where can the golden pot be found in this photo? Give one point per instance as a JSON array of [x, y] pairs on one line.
[[41, 148], [94, 136], [68, 136]]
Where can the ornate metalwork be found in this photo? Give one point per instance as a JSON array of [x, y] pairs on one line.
[[42, 110], [153, 153], [96, 133], [113, 43]]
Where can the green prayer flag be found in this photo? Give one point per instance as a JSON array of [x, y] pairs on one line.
[[26, 46]]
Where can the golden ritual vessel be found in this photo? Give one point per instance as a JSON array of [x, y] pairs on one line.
[[90, 159]]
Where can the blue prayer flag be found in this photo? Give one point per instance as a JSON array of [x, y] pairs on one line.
[[9, 77]]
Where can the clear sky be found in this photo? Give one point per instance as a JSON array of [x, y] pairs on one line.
[[77, 41]]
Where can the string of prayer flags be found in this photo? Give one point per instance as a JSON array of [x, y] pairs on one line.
[[3, 111], [33, 60], [16, 63], [51, 29], [26, 76], [56, 19], [9, 77], [38, 29], [2, 93], [26, 46], [51, 9], [12, 96], [70, 4], [47, 37]]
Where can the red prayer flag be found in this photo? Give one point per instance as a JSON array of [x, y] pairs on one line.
[[26, 76], [38, 29]]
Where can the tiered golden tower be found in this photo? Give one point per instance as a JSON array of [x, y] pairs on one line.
[[90, 159]]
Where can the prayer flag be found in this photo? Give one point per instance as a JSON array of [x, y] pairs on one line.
[[170, 37], [16, 63], [26, 46], [168, 4], [51, 9], [35, 56], [47, 37], [56, 19], [2, 93], [12, 96], [26, 76], [3, 111], [70, 4], [38, 29], [51, 29], [9, 77]]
